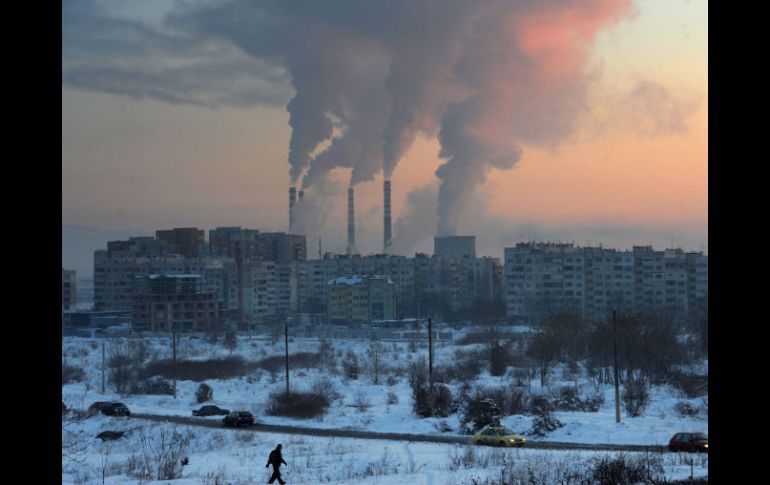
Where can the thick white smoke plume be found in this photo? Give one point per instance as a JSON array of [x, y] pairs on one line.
[[486, 75]]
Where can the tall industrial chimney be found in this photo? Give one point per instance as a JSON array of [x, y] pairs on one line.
[[351, 224], [292, 200], [386, 218]]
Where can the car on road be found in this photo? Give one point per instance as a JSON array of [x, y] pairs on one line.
[[97, 406], [210, 410], [115, 409], [498, 436], [689, 442], [238, 418]]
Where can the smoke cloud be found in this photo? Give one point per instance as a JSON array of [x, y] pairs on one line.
[[486, 76]]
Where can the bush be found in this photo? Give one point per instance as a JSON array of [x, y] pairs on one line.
[[155, 385], [620, 471], [326, 388], [685, 410], [635, 397], [392, 398], [498, 359], [71, 373], [304, 405], [544, 421], [569, 399], [198, 370], [204, 393], [427, 401], [350, 365], [692, 385], [480, 412]]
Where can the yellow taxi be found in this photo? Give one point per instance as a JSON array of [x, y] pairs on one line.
[[498, 436]]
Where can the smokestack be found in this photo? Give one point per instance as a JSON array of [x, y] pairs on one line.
[[351, 224], [386, 217], [292, 200]]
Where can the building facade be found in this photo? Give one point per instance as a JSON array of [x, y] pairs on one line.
[[360, 299], [68, 289], [544, 278], [174, 302]]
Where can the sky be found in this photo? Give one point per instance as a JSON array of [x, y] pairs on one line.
[[514, 121]]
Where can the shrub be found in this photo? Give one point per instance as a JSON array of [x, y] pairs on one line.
[[350, 365], [622, 471], [569, 399], [480, 412], [198, 370], [692, 385], [635, 397], [326, 388], [517, 402], [71, 373], [427, 401], [685, 410], [304, 405], [498, 359], [155, 385], [544, 421], [204, 393], [392, 398]]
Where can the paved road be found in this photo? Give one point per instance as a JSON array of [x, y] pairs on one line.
[[351, 433]]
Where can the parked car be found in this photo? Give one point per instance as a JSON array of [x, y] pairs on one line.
[[116, 409], [498, 436], [689, 442], [210, 411], [97, 406], [238, 418]]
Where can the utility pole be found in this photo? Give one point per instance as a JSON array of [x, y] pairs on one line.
[[102, 367], [617, 376], [173, 346], [430, 353], [286, 342]]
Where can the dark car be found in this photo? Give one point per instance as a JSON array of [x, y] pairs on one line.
[[210, 411], [689, 442], [116, 409], [238, 418], [97, 406]]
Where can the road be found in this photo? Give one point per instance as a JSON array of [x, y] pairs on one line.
[[350, 433]]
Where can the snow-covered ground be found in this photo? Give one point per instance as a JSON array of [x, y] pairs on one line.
[[219, 456], [250, 392]]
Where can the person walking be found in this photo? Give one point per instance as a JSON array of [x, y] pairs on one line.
[[276, 459]]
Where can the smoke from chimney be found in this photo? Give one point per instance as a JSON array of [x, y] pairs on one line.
[[386, 217], [351, 224], [292, 201]]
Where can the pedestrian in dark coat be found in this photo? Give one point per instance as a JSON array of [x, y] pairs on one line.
[[276, 459]]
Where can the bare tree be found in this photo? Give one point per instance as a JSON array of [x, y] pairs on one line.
[[162, 450], [375, 354], [231, 339]]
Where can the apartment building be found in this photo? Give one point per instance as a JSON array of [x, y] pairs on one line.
[[360, 299], [174, 302], [545, 278]]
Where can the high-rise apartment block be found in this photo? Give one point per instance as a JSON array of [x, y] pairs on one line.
[[164, 302], [68, 289], [543, 278], [187, 241], [360, 299]]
